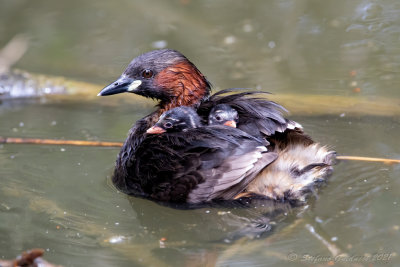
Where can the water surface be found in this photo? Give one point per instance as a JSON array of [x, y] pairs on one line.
[[61, 199]]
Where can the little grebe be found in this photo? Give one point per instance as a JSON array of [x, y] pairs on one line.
[[171, 78]]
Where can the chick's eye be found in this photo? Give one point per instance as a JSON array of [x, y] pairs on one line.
[[218, 118], [168, 125], [147, 74]]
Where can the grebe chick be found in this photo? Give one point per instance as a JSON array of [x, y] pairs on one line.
[[223, 114]]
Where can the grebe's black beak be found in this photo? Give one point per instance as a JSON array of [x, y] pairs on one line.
[[122, 85]]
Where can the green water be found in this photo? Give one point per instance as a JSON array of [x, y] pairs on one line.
[[60, 198]]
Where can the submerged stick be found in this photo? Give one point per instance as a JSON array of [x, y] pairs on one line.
[[333, 249], [12, 52], [38, 141], [387, 161]]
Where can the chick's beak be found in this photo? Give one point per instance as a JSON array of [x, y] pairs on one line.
[[122, 85], [230, 124], [155, 130]]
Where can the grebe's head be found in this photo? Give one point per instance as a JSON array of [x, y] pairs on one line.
[[176, 120], [164, 74], [223, 114]]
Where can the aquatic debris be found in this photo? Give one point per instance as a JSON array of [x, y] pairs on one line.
[[30, 258]]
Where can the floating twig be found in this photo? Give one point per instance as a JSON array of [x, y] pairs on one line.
[[38, 141], [386, 161]]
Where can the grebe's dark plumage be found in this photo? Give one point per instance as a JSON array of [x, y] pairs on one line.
[[257, 115], [187, 162], [300, 160], [172, 79]]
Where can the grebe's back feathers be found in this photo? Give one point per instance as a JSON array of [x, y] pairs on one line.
[[198, 165], [255, 113]]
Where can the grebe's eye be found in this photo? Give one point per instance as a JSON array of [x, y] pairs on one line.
[[218, 118], [168, 125], [147, 74]]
